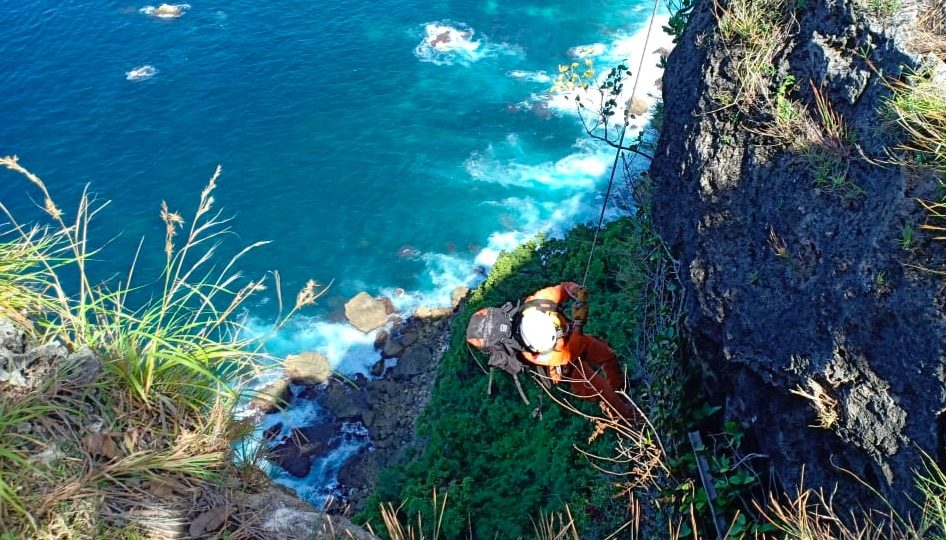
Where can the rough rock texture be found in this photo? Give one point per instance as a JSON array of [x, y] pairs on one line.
[[845, 306], [307, 368], [366, 313], [387, 407], [281, 516], [271, 397]]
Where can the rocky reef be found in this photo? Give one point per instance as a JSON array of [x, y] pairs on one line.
[[385, 406]]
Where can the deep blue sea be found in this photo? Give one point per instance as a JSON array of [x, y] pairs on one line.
[[368, 151]]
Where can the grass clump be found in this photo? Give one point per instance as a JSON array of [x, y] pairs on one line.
[[882, 8], [918, 105], [753, 30], [930, 36], [132, 433]]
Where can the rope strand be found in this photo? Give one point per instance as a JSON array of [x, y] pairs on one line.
[[617, 153]]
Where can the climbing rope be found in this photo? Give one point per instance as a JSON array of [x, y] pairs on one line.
[[620, 144]]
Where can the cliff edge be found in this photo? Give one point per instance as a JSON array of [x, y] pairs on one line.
[[781, 186]]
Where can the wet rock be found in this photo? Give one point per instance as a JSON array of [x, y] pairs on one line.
[[296, 452], [458, 295], [366, 313], [409, 338], [307, 368], [413, 362], [272, 432], [377, 369], [343, 401], [392, 348], [271, 397], [289, 456]]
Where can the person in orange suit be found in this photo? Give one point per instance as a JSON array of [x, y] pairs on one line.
[[587, 363]]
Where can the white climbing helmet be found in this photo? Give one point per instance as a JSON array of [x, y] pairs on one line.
[[537, 330]]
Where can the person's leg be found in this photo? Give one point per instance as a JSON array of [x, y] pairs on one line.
[[597, 352], [587, 381]]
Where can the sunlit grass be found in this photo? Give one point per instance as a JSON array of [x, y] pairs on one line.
[[174, 365]]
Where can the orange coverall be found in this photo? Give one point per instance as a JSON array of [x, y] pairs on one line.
[[587, 363]]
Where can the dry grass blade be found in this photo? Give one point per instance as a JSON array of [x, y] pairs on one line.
[[918, 104], [753, 29], [157, 403], [930, 36], [556, 526]]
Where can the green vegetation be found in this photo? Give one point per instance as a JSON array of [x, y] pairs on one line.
[[92, 448], [918, 105], [500, 462], [753, 30], [882, 8], [680, 11]]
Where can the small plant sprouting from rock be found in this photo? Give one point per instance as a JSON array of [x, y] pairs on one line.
[[756, 29], [826, 407], [918, 105], [777, 245], [883, 9], [906, 237], [830, 151]]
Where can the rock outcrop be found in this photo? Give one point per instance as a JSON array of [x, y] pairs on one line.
[[367, 313], [307, 368], [387, 407], [806, 305]]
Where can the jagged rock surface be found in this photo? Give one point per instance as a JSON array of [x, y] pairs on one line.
[[847, 307]]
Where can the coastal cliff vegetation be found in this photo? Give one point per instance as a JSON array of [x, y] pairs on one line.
[[121, 425]]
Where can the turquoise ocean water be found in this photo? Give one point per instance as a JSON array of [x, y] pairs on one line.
[[367, 155]]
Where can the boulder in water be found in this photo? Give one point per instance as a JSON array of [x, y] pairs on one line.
[[637, 106], [271, 397], [168, 10], [307, 368], [366, 313]]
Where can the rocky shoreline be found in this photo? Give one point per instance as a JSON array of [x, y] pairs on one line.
[[383, 408]]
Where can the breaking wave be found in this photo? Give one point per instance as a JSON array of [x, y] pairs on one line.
[[141, 73], [447, 43], [166, 11]]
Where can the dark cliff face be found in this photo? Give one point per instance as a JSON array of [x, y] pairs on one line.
[[798, 287]]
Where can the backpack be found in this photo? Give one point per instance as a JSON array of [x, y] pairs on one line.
[[495, 332]]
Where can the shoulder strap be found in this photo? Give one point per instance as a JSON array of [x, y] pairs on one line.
[[541, 304]]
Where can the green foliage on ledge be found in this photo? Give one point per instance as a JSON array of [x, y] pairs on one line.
[[498, 464]]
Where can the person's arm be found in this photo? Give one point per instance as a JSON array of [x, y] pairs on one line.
[[561, 292]]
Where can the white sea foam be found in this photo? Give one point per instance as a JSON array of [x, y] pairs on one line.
[[627, 49], [141, 73], [166, 11], [578, 170], [531, 76], [348, 349], [447, 42], [587, 51]]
